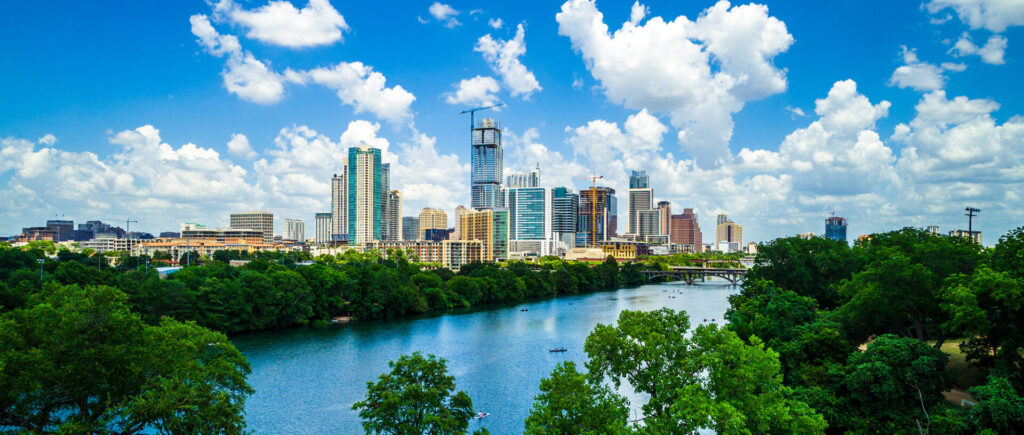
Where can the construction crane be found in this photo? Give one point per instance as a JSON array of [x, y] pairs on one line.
[[472, 113], [593, 207]]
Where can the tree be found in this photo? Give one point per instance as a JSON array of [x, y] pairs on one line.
[[809, 267], [416, 397], [713, 379], [999, 408], [77, 360], [1008, 254], [569, 403], [988, 309]]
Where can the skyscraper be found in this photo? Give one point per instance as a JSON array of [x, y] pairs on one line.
[[684, 230], [602, 218], [489, 226], [339, 205], [62, 227], [639, 180], [410, 228], [294, 229], [524, 179], [565, 208], [529, 220], [664, 217], [458, 213], [431, 219], [323, 227], [722, 218], [255, 220], [486, 165], [393, 217], [367, 194], [835, 228], [728, 232]]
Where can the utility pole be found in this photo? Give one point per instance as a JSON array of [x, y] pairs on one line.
[[970, 220]]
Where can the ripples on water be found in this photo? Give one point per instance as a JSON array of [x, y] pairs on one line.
[[306, 379]]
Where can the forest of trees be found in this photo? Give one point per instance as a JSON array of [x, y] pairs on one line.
[[887, 336]]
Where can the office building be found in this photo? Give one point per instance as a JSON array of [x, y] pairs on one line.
[[728, 232], [195, 231], [170, 234], [641, 198], [722, 218], [323, 227], [62, 227], [529, 220], [255, 220], [96, 229], [489, 226], [933, 229], [486, 164], [648, 223], [806, 236], [523, 179], [294, 229], [597, 219], [664, 217], [110, 244], [393, 219], [367, 194], [431, 219], [458, 213], [684, 230], [565, 208], [410, 228], [835, 228], [34, 234], [339, 205], [972, 235], [437, 234], [639, 180]]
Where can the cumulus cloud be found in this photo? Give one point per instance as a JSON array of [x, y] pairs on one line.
[[358, 85], [994, 15], [920, 76], [495, 23], [477, 91], [697, 72], [503, 57], [992, 52], [445, 14], [239, 147], [245, 76], [47, 139], [280, 23]]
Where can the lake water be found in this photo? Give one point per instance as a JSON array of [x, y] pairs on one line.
[[306, 379]]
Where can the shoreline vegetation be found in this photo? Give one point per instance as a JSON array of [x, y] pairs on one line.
[[822, 338]]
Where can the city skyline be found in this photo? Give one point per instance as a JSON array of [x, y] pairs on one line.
[[907, 129]]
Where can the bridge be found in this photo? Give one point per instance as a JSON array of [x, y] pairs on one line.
[[690, 274]]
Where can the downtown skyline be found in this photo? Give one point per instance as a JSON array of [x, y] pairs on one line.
[[908, 128]]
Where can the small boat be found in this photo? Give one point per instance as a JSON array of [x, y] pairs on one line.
[[523, 309], [558, 349], [481, 414]]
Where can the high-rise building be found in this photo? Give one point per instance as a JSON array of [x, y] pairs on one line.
[[458, 217], [486, 165], [728, 232], [565, 209], [489, 226], [431, 219], [339, 205], [62, 227], [973, 235], [664, 217], [684, 230], [367, 194], [255, 220], [639, 180], [602, 218], [523, 179], [323, 227], [933, 229], [294, 229], [410, 228], [529, 220], [393, 219], [640, 199], [722, 218], [648, 222], [835, 228]]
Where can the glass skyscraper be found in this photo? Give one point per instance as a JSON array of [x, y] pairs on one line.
[[835, 228], [486, 165], [565, 208], [639, 180], [367, 194]]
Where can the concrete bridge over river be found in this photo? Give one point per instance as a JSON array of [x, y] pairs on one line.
[[691, 274]]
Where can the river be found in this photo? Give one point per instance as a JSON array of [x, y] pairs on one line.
[[307, 379]]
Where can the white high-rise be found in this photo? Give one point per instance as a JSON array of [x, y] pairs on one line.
[[294, 229]]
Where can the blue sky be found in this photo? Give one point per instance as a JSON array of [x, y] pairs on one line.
[[123, 89]]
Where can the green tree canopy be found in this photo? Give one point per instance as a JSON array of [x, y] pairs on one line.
[[809, 267], [416, 397], [988, 309], [570, 403]]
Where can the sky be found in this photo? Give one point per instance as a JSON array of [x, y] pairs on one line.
[[890, 114]]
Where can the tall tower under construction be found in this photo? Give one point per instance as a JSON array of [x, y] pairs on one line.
[[487, 165]]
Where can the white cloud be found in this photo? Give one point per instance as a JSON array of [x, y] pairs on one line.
[[796, 111], [239, 147], [477, 91], [503, 57], [920, 76], [495, 23], [358, 85], [698, 72], [280, 23], [994, 15], [445, 13], [47, 139], [992, 52], [955, 67], [243, 74]]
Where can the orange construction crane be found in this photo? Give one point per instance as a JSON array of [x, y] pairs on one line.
[[593, 208]]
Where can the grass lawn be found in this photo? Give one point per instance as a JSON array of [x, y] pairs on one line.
[[961, 374]]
